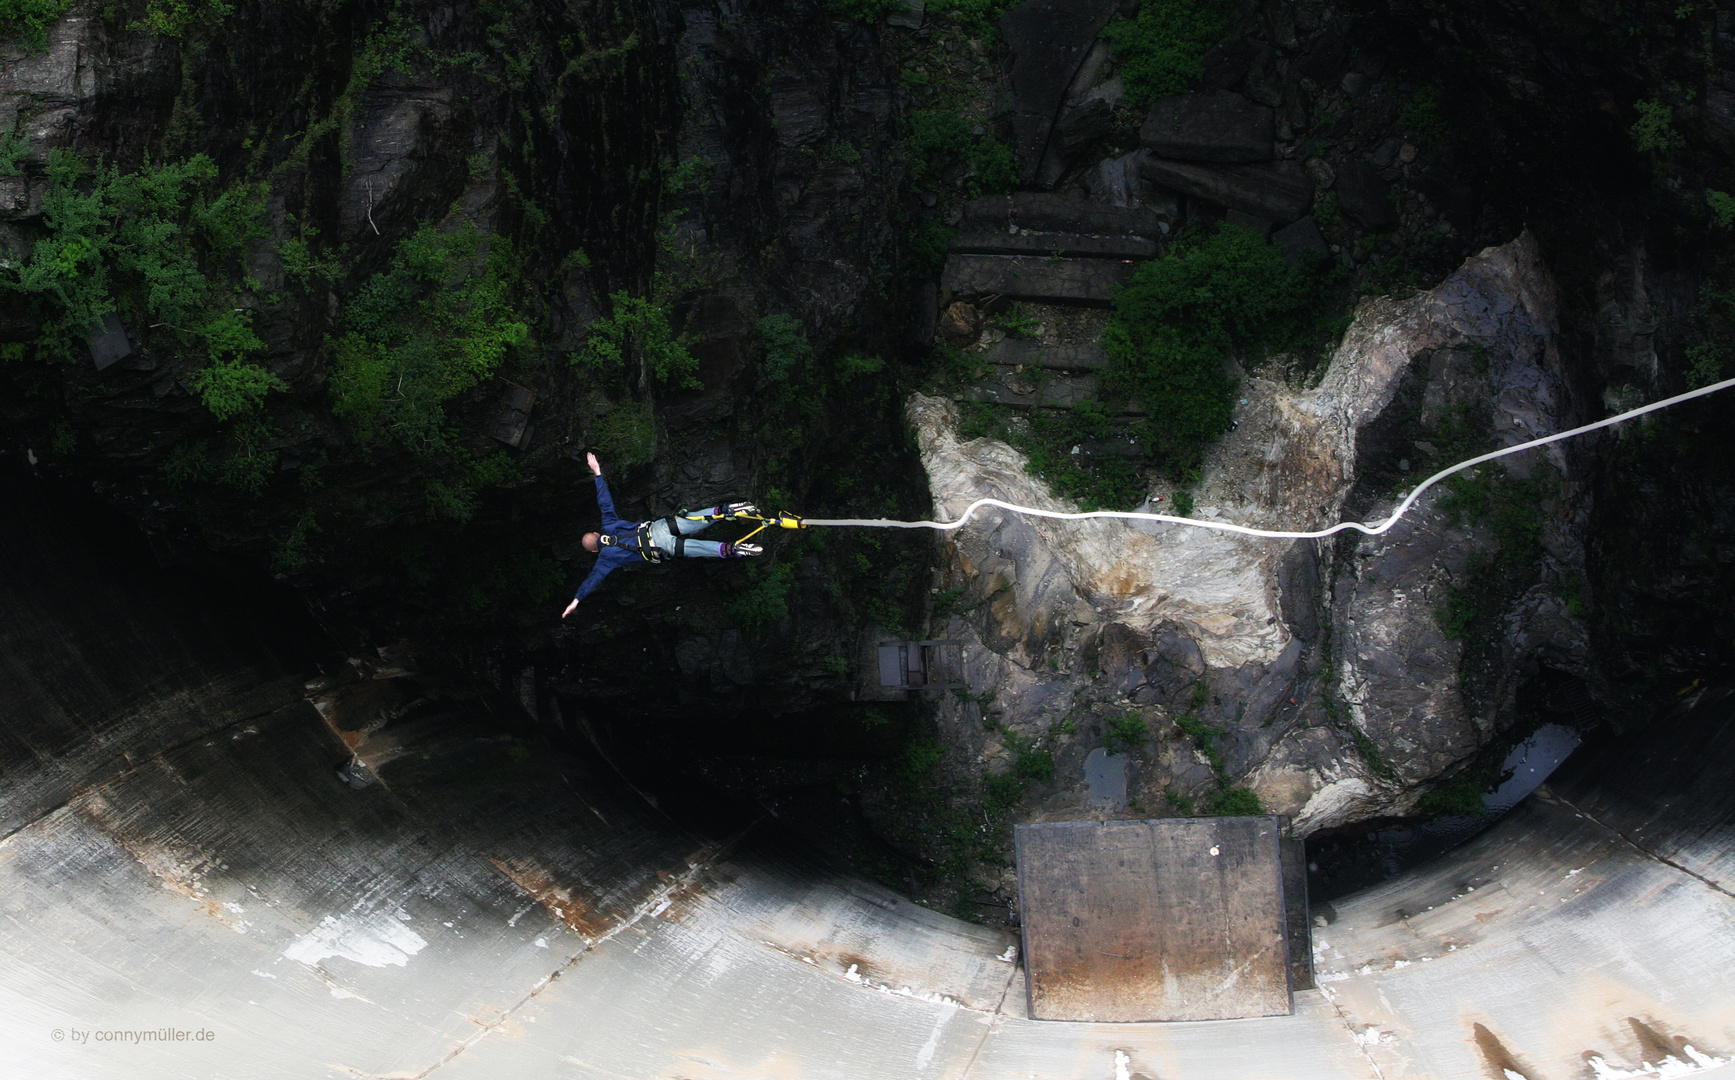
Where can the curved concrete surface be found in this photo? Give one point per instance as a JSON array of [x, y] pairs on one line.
[[180, 859]]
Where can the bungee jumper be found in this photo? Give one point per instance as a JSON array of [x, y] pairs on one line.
[[623, 543], [628, 543]]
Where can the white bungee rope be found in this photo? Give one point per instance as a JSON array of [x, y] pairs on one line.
[[1280, 534]]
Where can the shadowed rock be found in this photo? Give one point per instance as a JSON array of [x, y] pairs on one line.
[[1365, 196], [1058, 213], [1091, 280], [1213, 125], [1049, 39], [1280, 193], [1302, 243], [985, 242]]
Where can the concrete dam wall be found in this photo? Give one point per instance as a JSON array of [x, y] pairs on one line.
[[188, 889]]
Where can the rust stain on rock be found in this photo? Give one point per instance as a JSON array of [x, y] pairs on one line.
[[576, 912]]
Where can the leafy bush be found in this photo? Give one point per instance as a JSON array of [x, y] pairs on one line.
[[175, 18], [929, 243], [1722, 207], [125, 241], [627, 433], [1236, 802], [438, 321], [1124, 734], [1423, 115], [1176, 322], [1094, 481], [1204, 736], [866, 11], [919, 759], [765, 601], [1654, 132], [942, 146], [1458, 797], [1003, 791], [786, 347], [979, 17], [638, 329], [27, 21], [1161, 48], [1029, 762]]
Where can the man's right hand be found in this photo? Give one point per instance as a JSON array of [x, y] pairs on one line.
[[569, 608], [595, 466]]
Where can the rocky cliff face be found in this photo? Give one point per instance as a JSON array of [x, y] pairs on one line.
[[1327, 669]]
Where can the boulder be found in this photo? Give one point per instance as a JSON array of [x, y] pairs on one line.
[[1212, 125], [1048, 39], [984, 242], [1083, 124], [1280, 193], [1059, 213], [960, 324], [1089, 280], [1365, 196], [1302, 243]]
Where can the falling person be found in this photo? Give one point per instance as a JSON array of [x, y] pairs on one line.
[[626, 543]]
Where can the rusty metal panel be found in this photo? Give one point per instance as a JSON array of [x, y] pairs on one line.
[[1176, 919]]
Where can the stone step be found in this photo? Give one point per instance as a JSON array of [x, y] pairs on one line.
[[1043, 212], [1059, 392], [1029, 277], [1011, 352], [1212, 125], [1280, 193], [1071, 245]]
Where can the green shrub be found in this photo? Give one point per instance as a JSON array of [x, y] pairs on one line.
[[1183, 503], [1002, 792], [1124, 734], [1722, 207], [866, 11], [123, 241], [27, 21], [941, 144], [1176, 322], [1161, 48], [637, 329], [627, 433], [1654, 132], [765, 601], [786, 348], [1205, 737], [13, 148], [438, 321], [930, 242], [1458, 797], [176, 18], [1236, 802], [919, 759], [1423, 115], [980, 17], [1029, 762]]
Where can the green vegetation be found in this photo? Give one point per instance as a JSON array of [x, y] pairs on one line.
[[929, 243], [1183, 503], [178, 18], [1161, 48], [765, 600], [1722, 207], [146, 244], [1654, 132], [1124, 734], [866, 11], [1204, 736], [1176, 323], [637, 329], [437, 322], [1423, 116], [980, 18], [27, 21], [627, 433], [1097, 482], [1003, 791], [1458, 797], [1236, 802], [943, 151]]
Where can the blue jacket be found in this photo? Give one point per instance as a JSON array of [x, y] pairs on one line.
[[612, 556]]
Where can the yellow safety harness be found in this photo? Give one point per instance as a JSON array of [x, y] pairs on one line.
[[783, 520]]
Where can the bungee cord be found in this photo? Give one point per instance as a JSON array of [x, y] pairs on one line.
[[790, 521]]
